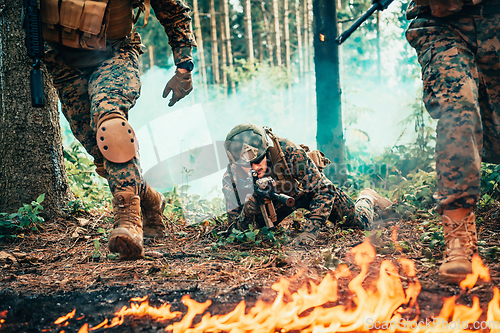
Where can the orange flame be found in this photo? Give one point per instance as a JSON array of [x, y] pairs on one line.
[[66, 317], [311, 309], [478, 271]]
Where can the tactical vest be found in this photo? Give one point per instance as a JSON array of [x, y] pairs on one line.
[[86, 24]]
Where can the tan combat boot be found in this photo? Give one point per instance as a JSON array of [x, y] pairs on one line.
[[126, 237], [376, 199], [152, 205], [461, 243]]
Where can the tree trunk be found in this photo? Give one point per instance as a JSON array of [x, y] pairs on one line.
[[286, 29], [31, 161], [379, 50], [305, 27], [151, 56], [277, 32], [268, 35], [199, 48], [248, 30], [228, 42], [215, 48], [224, 57], [299, 38], [330, 136]]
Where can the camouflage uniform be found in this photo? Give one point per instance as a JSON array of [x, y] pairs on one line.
[[92, 84], [460, 57], [323, 200]]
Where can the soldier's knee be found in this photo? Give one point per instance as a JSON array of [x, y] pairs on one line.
[[116, 139]]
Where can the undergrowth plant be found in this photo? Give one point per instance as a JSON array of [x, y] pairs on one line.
[[90, 190], [27, 217]]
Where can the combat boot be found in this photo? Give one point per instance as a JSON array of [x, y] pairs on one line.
[[126, 237], [152, 205], [376, 199], [461, 243]]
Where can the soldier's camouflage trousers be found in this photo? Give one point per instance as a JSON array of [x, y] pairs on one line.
[[87, 94], [460, 60]]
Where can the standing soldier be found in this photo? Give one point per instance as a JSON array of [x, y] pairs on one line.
[[295, 173], [92, 55], [458, 49]]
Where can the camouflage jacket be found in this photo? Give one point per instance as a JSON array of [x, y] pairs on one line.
[[315, 186], [415, 10], [174, 17]]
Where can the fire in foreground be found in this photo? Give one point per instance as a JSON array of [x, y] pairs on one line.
[[385, 305]]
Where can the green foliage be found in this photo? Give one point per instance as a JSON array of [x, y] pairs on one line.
[[192, 208], [251, 236], [90, 190], [490, 178], [414, 194], [27, 217]]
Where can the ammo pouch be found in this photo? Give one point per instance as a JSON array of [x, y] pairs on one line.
[[85, 24]]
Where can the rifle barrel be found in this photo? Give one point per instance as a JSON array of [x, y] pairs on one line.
[[340, 39]]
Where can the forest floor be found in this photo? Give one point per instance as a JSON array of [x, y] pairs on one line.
[[66, 265]]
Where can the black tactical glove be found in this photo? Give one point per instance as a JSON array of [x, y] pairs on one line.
[[250, 208], [181, 84]]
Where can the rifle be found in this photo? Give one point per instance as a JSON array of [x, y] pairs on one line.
[[377, 5], [264, 188], [32, 23]]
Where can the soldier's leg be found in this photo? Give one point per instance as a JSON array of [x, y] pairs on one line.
[[72, 88], [114, 88], [488, 58], [451, 84], [351, 214]]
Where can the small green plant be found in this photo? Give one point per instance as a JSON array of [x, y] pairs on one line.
[[96, 254], [90, 190], [27, 217]]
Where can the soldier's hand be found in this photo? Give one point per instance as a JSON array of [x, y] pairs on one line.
[[250, 208], [181, 84]]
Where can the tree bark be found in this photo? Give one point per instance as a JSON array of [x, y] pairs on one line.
[[248, 30], [215, 47], [151, 56], [299, 38], [224, 57], [199, 48], [268, 35], [31, 161], [277, 32], [305, 27], [229, 47], [330, 135], [286, 28]]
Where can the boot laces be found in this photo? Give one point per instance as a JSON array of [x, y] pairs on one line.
[[459, 242]]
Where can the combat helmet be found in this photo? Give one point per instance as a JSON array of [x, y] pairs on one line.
[[246, 144]]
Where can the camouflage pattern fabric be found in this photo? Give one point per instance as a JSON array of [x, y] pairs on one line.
[[459, 57], [108, 82], [87, 94], [174, 17], [323, 200]]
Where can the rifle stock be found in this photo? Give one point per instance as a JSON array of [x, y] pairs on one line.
[[32, 24]]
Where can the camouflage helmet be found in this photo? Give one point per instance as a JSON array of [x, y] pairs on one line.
[[246, 143]]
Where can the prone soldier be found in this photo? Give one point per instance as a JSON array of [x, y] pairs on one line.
[[295, 174]]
